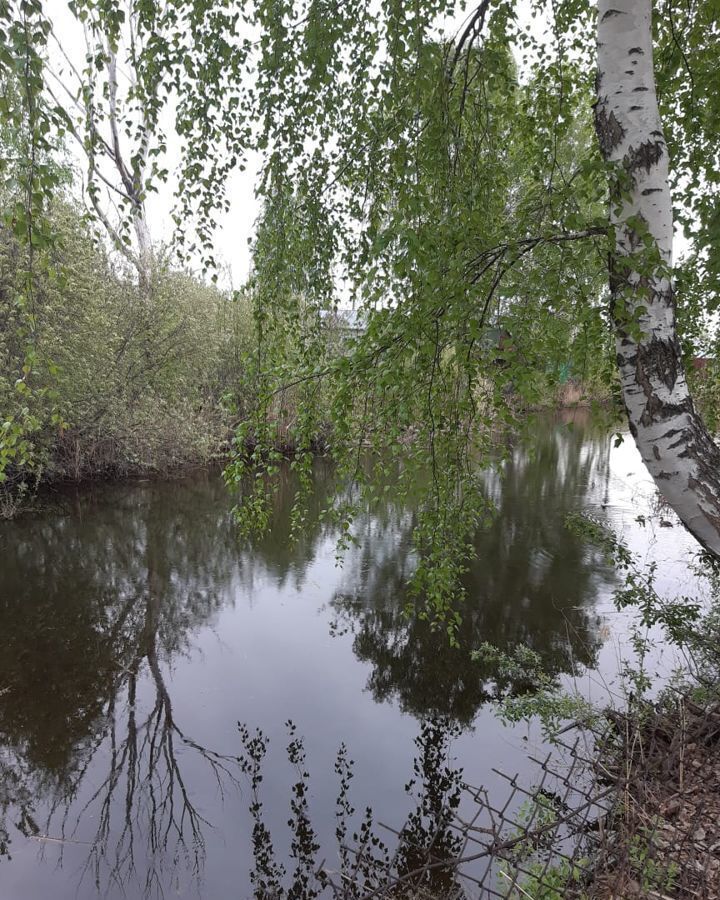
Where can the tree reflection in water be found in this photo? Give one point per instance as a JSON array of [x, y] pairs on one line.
[[422, 863], [95, 606], [527, 561], [533, 583], [92, 615]]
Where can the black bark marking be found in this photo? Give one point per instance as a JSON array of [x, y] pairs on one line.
[[639, 89], [647, 155], [707, 485], [657, 411], [656, 452], [636, 108], [673, 432], [629, 71], [648, 191], [658, 361], [663, 360], [679, 442], [634, 50], [611, 13], [609, 131]]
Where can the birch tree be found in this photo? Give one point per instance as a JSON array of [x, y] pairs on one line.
[[675, 445], [114, 124]]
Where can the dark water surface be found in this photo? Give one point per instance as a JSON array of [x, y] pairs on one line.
[[136, 633]]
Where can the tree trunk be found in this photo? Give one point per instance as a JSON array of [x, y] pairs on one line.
[[145, 259], [675, 445]]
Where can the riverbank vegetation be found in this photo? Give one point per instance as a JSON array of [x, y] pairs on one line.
[[467, 224], [99, 379], [102, 377]]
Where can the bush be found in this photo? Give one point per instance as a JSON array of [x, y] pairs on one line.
[[97, 378]]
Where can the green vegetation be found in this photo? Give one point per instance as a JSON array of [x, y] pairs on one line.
[[118, 382], [447, 181], [495, 241]]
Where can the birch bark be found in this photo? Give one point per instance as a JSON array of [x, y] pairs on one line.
[[675, 445]]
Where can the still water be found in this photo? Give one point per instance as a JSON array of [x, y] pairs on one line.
[[137, 633]]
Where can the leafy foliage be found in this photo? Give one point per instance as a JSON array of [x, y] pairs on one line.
[[418, 178], [687, 38], [442, 180], [136, 381]]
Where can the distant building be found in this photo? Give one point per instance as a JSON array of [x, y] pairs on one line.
[[701, 362]]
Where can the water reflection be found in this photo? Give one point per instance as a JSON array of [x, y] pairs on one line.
[[101, 609], [430, 836], [533, 582], [422, 860], [94, 606]]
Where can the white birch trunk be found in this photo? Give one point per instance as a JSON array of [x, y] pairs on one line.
[[145, 260], [132, 178], [675, 445]]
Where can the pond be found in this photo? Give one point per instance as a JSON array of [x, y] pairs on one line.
[[137, 633]]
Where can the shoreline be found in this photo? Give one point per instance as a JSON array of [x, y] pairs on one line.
[[61, 480]]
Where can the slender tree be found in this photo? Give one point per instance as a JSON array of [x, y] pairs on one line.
[[114, 123]]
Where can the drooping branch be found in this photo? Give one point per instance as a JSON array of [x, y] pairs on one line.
[[480, 264], [469, 33]]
